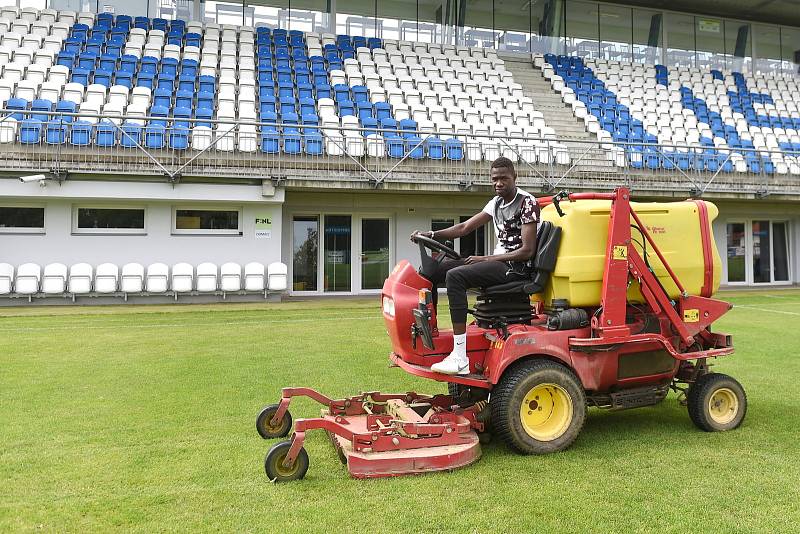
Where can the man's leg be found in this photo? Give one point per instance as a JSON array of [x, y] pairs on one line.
[[440, 275], [458, 280]]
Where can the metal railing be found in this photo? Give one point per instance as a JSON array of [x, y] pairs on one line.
[[315, 155]]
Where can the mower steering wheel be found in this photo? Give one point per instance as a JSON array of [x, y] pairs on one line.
[[432, 244]]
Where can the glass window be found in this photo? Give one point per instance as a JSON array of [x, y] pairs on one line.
[[790, 48], [710, 43], [738, 48], [761, 252], [168, 9], [430, 23], [109, 220], [680, 40], [781, 257], [547, 26], [305, 236], [647, 36], [767, 48], [582, 29], [306, 16], [38, 4], [513, 23], [398, 19], [270, 13], [477, 17], [736, 252], [19, 218], [205, 221], [474, 243], [226, 12], [374, 253], [357, 18], [615, 33], [337, 252]]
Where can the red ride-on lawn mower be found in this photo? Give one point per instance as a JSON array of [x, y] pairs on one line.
[[535, 366]]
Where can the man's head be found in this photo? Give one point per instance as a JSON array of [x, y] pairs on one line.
[[504, 178]]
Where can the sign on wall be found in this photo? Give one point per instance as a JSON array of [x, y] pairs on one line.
[[263, 226], [708, 25]]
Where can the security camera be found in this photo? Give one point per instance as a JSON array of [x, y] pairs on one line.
[[33, 178]]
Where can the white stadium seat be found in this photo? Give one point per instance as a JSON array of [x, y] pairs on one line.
[[254, 277], [54, 280], [206, 277], [106, 278], [182, 280], [80, 279], [231, 277], [277, 277], [6, 278], [132, 279], [157, 280]]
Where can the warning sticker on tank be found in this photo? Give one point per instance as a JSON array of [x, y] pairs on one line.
[[620, 252], [691, 316]]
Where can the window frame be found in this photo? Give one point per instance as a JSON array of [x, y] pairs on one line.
[[174, 230], [108, 231], [25, 229]]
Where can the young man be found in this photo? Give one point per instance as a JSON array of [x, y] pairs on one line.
[[515, 215]]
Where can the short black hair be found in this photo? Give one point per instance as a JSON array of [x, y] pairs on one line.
[[504, 163]]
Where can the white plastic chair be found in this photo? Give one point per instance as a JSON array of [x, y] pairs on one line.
[[157, 280], [54, 281], [106, 278], [80, 279], [206, 277], [28, 277], [132, 280], [182, 280], [230, 277], [254, 276], [6, 278], [277, 276]]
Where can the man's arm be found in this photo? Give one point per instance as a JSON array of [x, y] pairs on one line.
[[460, 229], [523, 253]]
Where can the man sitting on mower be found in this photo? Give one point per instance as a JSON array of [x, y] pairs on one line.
[[515, 214]]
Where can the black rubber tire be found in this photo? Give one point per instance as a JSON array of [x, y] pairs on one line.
[[509, 394], [269, 431], [276, 472], [699, 398]]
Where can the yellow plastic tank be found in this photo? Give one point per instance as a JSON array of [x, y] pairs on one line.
[[674, 226]]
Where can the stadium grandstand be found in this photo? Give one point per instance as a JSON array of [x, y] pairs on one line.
[[207, 150]]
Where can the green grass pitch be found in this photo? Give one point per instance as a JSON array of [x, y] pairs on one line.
[[142, 419]]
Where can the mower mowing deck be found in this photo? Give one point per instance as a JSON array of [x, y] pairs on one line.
[[375, 434]]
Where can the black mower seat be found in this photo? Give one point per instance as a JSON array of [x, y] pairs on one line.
[[547, 240], [510, 303]]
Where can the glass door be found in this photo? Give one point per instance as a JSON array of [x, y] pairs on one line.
[[374, 253], [337, 253], [737, 249], [762, 252], [305, 239]]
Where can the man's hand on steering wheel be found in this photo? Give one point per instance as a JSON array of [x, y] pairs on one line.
[[426, 240]]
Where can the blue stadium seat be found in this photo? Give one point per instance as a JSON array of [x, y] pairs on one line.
[[154, 135], [454, 149], [169, 67], [206, 84], [184, 99], [204, 114], [145, 79], [434, 147], [123, 78], [41, 105], [17, 104], [106, 134], [179, 138], [82, 133], [30, 132], [56, 132], [162, 97], [270, 140], [102, 77], [181, 116]]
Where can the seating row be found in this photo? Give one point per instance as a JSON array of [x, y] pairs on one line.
[[132, 278]]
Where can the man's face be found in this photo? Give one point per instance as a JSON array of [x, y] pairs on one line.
[[504, 181]]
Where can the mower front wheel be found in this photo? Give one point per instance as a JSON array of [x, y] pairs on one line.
[[268, 430], [277, 472], [716, 402], [538, 407]]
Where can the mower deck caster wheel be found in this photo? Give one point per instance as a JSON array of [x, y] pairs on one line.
[[277, 472], [716, 403], [264, 425]]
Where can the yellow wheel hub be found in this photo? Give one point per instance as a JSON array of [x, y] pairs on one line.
[[546, 412], [723, 405]]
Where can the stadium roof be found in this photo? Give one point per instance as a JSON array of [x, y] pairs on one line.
[[784, 12]]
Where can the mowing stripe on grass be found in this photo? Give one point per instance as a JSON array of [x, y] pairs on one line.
[[767, 310], [183, 325]]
